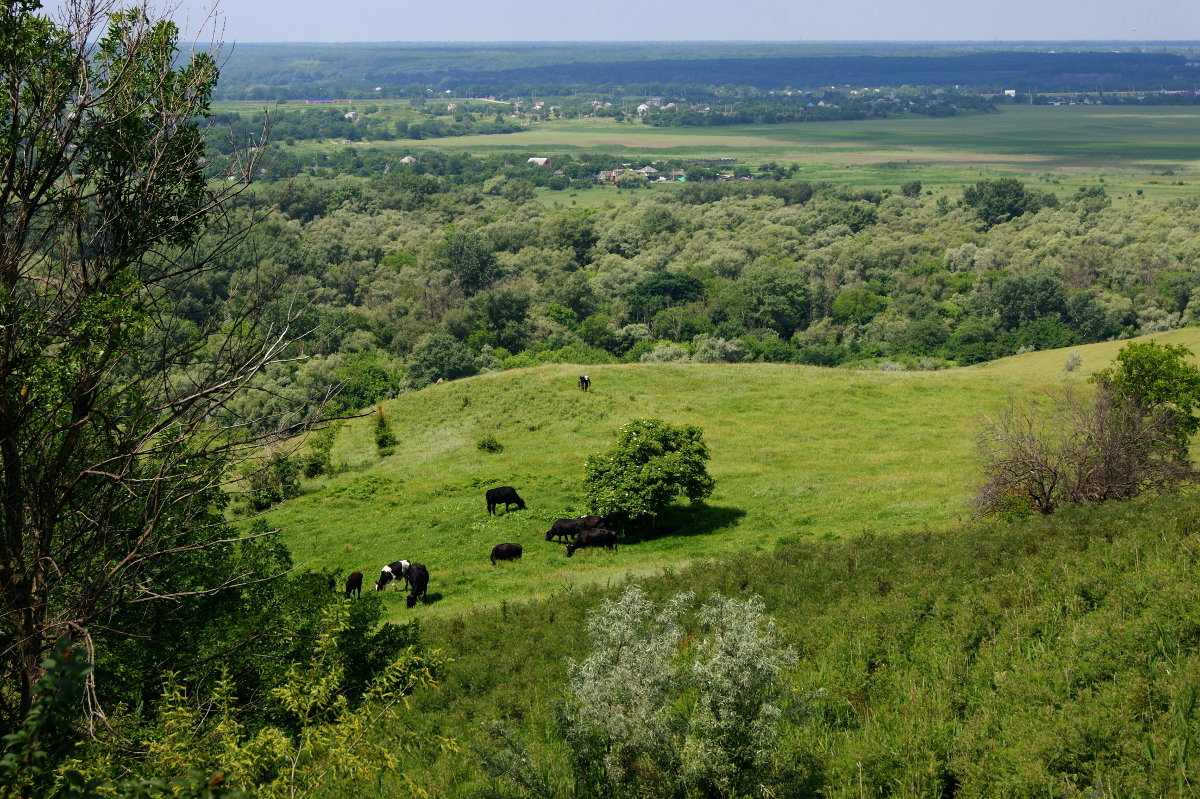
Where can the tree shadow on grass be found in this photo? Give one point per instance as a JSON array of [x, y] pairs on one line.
[[683, 520]]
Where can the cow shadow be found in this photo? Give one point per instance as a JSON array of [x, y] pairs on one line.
[[684, 520], [431, 597]]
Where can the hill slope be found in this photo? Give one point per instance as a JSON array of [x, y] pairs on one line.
[[797, 452]]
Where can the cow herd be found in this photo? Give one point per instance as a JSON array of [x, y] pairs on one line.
[[578, 533]]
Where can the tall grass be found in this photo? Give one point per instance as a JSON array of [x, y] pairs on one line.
[[1054, 657]]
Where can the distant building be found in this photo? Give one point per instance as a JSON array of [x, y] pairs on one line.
[[408, 159], [536, 161]]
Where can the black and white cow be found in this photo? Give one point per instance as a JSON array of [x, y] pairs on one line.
[[506, 552], [393, 571], [418, 577], [564, 529], [585, 382], [503, 494], [597, 537]]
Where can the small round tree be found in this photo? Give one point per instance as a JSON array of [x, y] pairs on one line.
[[652, 463]]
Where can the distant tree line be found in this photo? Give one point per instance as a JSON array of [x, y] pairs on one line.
[[695, 71]]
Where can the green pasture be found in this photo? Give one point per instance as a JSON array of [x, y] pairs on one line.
[[1124, 148], [798, 453]]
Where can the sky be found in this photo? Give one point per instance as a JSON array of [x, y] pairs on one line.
[[698, 20]]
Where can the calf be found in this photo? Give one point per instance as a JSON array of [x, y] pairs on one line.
[[585, 382], [393, 571], [597, 537], [562, 529], [506, 552], [418, 577], [354, 584], [506, 494]]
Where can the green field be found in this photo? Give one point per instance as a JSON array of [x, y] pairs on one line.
[[798, 453], [1126, 148]]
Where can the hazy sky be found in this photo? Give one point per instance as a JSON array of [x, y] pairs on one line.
[[661, 20]]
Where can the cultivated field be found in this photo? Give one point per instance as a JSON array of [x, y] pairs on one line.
[[799, 453], [1125, 148]]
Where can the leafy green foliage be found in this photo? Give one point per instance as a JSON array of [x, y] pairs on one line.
[[999, 200], [1157, 378], [120, 410], [274, 481], [48, 733], [489, 444], [647, 715], [385, 438], [320, 743], [439, 356], [318, 459], [652, 463], [469, 260]]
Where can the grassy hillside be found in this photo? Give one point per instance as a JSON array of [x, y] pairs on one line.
[[798, 453], [1053, 657]]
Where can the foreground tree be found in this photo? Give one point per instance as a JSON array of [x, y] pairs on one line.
[[651, 464], [115, 428]]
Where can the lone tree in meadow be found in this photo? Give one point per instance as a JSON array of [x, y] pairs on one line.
[[651, 464]]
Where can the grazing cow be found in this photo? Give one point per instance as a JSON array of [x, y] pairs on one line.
[[354, 584], [563, 529], [506, 552], [418, 577], [393, 571], [585, 382], [507, 495], [597, 537]]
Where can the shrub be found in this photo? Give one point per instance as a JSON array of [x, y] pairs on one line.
[[385, 439], [273, 482], [489, 444], [1083, 449], [699, 721], [318, 459], [666, 352]]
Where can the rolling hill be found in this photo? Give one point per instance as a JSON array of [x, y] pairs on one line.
[[798, 453]]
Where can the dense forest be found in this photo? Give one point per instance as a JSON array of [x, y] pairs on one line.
[[447, 267]]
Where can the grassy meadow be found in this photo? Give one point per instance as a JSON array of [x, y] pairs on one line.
[[798, 454]]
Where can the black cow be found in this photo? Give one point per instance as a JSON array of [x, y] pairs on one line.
[[418, 577], [597, 537], [507, 495], [354, 584], [393, 571], [562, 529], [585, 382], [506, 552]]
